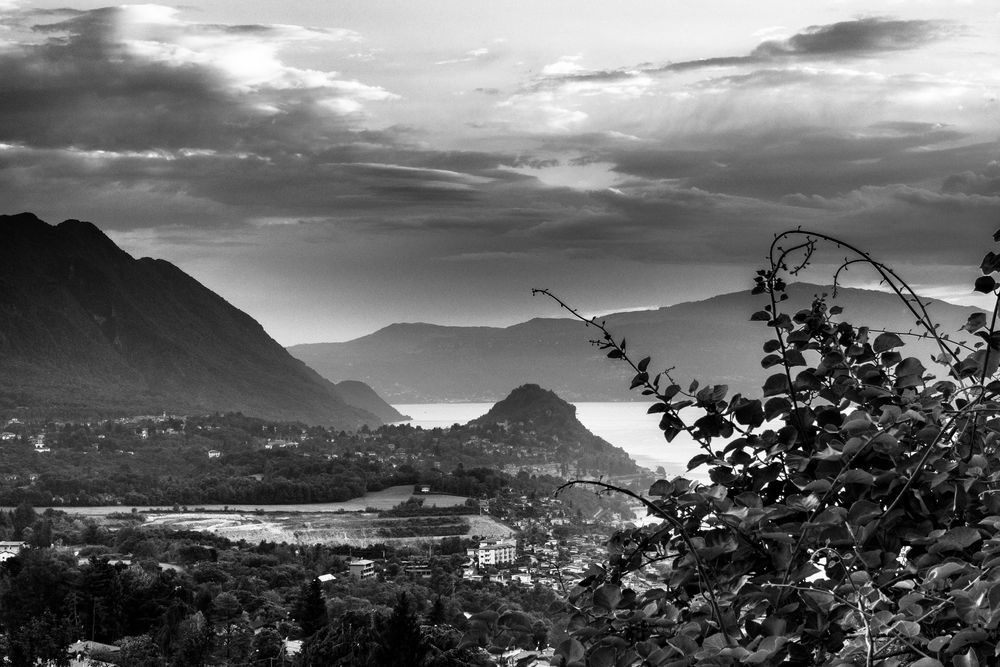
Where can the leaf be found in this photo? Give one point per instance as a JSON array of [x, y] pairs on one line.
[[602, 657], [968, 660], [640, 379], [856, 476], [975, 322], [887, 341], [661, 487], [956, 539], [608, 596], [965, 637], [775, 385], [907, 628], [794, 358], [991, 263], [836, 310], [643, 363], [615, 354], [571, 650], [927, 662], [910, 366], [770, 360], [862, 512], [985, 284], [760, 316]]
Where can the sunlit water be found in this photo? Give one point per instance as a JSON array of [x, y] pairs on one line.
[[626, 425]]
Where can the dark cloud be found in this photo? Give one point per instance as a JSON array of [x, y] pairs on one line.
[[83, 86], [986, 182], [846, 38], [858, 37]]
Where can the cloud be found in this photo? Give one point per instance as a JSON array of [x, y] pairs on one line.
[[136, 77], [985, 182], [857, 37], [469, 57], [846, 38]]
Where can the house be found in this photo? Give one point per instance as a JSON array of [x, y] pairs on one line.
[[10, 549], [214, 453], [86, 652], [361, 568], [325, 578]]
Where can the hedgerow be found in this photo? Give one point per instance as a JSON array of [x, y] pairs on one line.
[[852, 511]]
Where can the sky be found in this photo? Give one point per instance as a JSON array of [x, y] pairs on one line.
[[334, 167]]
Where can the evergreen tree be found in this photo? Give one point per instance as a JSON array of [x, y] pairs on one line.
[[310, 610], [401, 643]]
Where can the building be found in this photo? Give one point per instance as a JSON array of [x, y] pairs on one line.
[[214, 453], [10, 549], [493, 553], [361, 568]]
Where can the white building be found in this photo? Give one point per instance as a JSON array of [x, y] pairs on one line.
[[10, 549], [361, 568], [494, 553]]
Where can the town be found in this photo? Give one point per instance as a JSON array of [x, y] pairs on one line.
[[379, 516]]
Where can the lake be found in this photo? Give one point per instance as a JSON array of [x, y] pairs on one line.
[[625, 425]]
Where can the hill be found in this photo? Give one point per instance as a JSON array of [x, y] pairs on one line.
[[88, 330], [549, 421], [712, 340]]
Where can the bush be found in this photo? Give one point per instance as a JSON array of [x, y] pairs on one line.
[[852, 515]]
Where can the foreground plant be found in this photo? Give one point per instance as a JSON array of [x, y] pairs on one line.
[[852, 515]]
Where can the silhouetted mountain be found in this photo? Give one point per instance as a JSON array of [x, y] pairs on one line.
[[712, 340], [85, 329], [529, 404], [549, 418]]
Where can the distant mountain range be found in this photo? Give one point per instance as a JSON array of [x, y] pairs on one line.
[[87, 330], [711, 340]]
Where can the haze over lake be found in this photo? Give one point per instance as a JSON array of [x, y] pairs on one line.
[[625, 425]]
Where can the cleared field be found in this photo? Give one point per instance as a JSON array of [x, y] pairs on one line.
[[380, 500], [355, 529]]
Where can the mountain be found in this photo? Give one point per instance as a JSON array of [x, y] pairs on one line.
[[552, 421], [362, 396], [87, 330], [711, 340]]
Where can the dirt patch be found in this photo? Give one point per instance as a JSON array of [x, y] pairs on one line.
[[355, 529]]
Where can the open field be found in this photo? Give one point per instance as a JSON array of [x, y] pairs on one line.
[[355, 529], [379, 500]]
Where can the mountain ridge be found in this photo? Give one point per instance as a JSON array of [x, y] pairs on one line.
[[86, 329], [712, 340]]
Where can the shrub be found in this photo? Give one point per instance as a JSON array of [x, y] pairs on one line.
[[852, 512]]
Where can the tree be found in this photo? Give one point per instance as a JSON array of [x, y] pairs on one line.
[[310, 609], [267, 647], [140, 651], [23, 517], [851, 515], [401, 643], [42, 639], [194, 642]]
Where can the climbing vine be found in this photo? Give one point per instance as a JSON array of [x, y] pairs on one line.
[[852, 512]]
